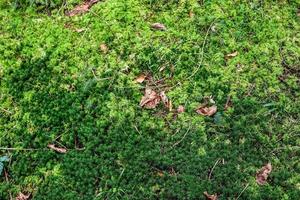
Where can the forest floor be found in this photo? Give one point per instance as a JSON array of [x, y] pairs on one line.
[[149, 99]]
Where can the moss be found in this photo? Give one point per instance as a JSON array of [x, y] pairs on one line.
[[57, 86]]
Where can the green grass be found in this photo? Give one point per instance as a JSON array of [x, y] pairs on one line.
[[56, 86]]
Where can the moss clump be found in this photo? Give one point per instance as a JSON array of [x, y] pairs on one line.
[[56, 86]]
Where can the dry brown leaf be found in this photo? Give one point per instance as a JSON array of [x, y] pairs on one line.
[[150, 99], [180, 109], [158, 26], [231, 55], [103, 48], [140, 78], [165, 100], [263, 173], [191, 14], [162, 68], [79, 30], [82, 8], [160, 174], [206, 111], [22, 196], [210, 196], [57, 149]]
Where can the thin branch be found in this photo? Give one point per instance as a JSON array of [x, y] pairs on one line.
[[201, 54], [20, 149], [242, 191], [7, 111], [176, 143], [202, 49], [211, 171]]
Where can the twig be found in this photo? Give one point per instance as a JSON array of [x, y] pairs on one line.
[[7, 111], [201, 53], [28, 149], [137, 130], [176, 143], [7, 180], [211, 171], [242, 191], [19, 149], [202, 50]]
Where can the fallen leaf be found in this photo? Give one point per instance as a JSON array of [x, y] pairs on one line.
[[158, 26], [165, 100], [82, 8], [206, 111], [140, 78], [263, 173], [160, 174], [214, 28], [210, 196], [162, 68], [57, 149], [180, 109], [231, 55], [150, 99], [103, 48], [22, 196], [191, 14], [79, 30]]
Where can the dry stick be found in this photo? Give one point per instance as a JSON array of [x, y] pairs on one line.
[[182, 137], [18, 149], [7, 180], [202, 50], [211, 171], [242, 191], [202, 53], [7, 111], [44, 149]]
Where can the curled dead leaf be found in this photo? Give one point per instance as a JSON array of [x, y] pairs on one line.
[[206, 111], [22, 196], [165, 100], [263, 173], [180, 109], [140, 78], [57, 149], [158, 26], [214, 28], [210, 196], [103, 48], [160, 174], [191, 14], [150, 99], [82, 8], [231, 55]]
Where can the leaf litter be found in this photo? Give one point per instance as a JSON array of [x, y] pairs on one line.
[[22, 196], [140, 78], [210, 196], [158, 26], [82, 8], [231, 55], [206, 110], [263, 173]]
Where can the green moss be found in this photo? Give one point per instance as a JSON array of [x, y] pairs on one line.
[[57, 86]]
